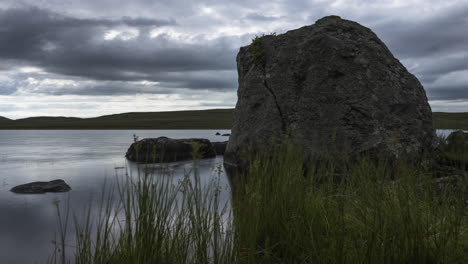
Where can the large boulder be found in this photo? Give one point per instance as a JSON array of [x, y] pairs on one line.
[[42, 187], [163, 149], [331, 85]]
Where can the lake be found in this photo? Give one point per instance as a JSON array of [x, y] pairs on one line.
[[84, 159]]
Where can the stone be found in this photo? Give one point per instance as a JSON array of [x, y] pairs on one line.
[[220, 147], [225, 135], [457, 142], [218, 134], [42, 187], [333, 85], [164, 149]]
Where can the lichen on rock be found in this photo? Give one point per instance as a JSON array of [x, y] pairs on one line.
[[333, 84]]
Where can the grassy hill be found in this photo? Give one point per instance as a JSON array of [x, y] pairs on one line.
[[450, 120], [197, 119]]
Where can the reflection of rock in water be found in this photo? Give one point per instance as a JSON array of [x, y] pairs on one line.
[[329, 85]]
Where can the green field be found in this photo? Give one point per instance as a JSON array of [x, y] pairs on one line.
[[450, 120], [197, 119]]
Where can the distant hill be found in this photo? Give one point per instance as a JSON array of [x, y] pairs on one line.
[[197, 119], [450, 120]]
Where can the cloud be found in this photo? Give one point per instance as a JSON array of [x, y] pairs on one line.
[[72, 46], [177, 48], [261, 17]]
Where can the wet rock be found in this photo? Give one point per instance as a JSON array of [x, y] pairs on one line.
[[220, 147], [42, 187], [163, 149]]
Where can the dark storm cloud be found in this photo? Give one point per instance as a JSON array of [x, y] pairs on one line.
[[433, 36], [449, 93], [432, 45], [76, 47]]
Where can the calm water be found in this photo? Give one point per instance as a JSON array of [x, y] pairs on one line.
[[84, 159]]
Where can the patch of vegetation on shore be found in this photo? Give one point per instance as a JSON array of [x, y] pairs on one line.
[[329, 211]]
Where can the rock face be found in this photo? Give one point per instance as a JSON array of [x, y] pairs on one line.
[[458, 141], [163, 149], [333, 84], [42, 187], [220, 147]]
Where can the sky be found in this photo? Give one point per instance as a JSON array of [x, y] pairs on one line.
[[89, 58]]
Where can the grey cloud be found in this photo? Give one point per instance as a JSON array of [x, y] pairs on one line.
[[80, 50], [438, 35], [8, 108], [449, 92], [8, 87], [261, 17], [71, 45]]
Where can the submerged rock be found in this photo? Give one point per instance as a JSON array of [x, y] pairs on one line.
[[163, 149], [42, 187], [333, 85]]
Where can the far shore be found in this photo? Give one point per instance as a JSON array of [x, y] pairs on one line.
[[193, 119]]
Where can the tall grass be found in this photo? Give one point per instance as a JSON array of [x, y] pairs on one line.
[[284, 210]]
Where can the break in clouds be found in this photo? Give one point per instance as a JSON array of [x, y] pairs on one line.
[[89, 58]]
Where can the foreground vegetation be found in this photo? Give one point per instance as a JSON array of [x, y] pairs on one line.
[[198, 119], [330, 211]]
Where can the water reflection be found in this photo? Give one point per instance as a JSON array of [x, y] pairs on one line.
[[85, 160]]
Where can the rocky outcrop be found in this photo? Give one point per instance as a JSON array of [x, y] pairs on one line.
[[163, 149], [42, 187], [331, 85], [220, 147], [457, 141]]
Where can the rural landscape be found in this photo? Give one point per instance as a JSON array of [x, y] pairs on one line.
[[330, 148], [194, 119]]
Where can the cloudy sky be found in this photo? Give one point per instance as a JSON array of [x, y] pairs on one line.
[[94, 57]]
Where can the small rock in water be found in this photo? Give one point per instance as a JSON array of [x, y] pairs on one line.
[[218, 134], [226, 135], [42, 187]]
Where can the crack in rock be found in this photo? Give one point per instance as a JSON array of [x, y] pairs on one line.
[[283, 122]]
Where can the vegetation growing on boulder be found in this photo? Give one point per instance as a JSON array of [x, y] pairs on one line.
[[258, 51]]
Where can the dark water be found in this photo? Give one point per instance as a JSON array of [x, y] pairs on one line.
[[84, 159]]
